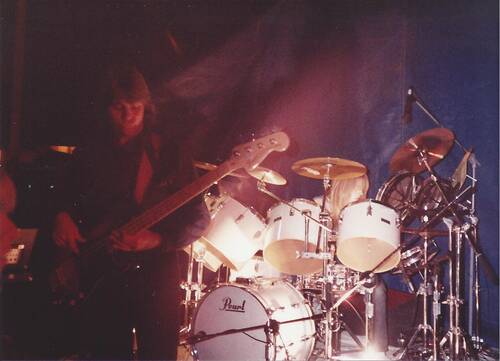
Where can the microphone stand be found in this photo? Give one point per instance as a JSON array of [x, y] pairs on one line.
[[271, 329], [426, 110]]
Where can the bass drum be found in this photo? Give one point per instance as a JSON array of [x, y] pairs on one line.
[[234, 306]]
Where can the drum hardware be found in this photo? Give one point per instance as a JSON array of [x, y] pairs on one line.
[[476, 256], [400, 192], [436, 306], [458, 344], [415, 98], [433, 219], [364, 285], [369, 313], [189, 287], [424, 328], [271, 329]]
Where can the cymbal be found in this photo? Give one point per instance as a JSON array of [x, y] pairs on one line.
[[460, 174], [267, 175], [329, 168], [210, 167], [426, 233], [433, 143]]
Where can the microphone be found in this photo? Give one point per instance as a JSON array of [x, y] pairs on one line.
[[407, 114]]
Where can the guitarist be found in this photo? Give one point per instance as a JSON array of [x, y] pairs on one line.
[[125, 164]]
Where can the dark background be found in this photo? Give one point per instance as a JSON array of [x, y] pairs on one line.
[[332, 74]]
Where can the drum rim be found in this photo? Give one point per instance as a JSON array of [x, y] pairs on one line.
[[258, 298], [391, 180], [240, 286], [370, 200], [411, 252], [250, 208], [305, 200]]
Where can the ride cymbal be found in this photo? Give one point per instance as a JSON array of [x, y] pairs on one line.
[[431, 145], [329, 168]]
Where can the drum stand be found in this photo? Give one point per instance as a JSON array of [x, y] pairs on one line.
[[189, 287], [455, 337], [424, 328]]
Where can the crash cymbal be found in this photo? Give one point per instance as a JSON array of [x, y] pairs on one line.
[[267, 175], [328, 167], [430, 233], [210, 167], [434, 144]]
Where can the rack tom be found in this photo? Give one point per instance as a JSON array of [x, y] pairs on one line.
[[368, 234]]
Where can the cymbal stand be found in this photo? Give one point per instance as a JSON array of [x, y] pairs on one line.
[[360, 285], [436, 308], [425, 328], [332, 317], [455, 337], [324, 222], [476, 256], [473, 314]]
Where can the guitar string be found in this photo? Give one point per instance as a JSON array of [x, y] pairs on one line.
[[140, 222]]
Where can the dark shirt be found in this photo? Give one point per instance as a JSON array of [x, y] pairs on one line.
[[101, 183]]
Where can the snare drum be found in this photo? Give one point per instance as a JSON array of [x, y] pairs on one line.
[[234, 234], [255, 268], [338, 276], [368, 233], [202, 255], [286, 236], [232, 307]]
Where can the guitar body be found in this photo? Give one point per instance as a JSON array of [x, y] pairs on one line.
[[75, 275]]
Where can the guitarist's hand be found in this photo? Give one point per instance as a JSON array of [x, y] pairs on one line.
[[141, 241], [66, 233]]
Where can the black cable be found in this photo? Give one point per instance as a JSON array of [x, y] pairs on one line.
[[253, 338]]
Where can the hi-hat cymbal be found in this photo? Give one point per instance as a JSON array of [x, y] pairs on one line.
[[433, 145], [267, 175], [328, 168], [210, 167]]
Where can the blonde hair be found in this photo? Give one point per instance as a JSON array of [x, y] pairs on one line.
[[344, 192]]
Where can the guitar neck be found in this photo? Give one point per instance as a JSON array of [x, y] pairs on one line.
[[165, 207]]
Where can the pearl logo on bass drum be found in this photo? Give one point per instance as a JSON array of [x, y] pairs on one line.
[[227, 305]]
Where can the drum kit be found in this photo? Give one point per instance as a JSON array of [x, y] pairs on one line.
[[281, 279]]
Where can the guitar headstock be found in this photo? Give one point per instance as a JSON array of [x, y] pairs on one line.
[[251, 154]]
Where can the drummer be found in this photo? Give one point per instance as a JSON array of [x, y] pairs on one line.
[[342, 193]]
